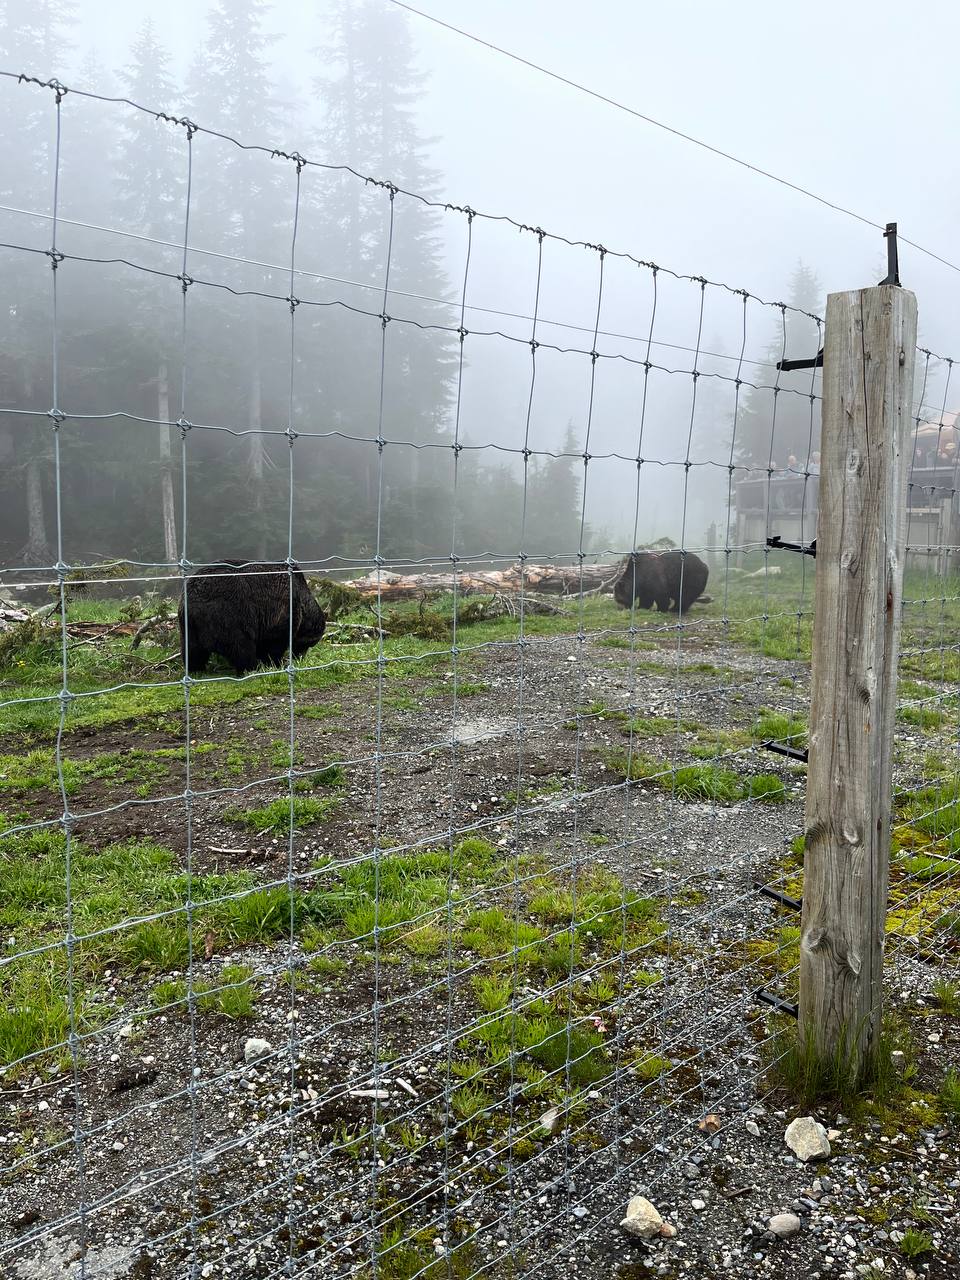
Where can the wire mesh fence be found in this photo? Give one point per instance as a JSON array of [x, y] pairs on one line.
[[422, 950]]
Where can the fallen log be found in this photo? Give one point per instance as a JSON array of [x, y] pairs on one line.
[[561, 580]]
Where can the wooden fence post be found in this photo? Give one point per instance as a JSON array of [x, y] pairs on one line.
[[868, 363]]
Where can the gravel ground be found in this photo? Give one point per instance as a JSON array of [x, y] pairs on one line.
[[168, 1154]]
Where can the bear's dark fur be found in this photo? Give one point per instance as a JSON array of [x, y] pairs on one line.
[[671, 580], [242, 612]]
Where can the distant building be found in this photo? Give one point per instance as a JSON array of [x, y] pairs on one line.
[[784, 502]]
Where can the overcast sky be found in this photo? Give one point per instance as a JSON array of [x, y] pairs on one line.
[[856, 102]]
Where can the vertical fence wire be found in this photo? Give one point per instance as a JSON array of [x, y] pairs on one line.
[[567, 1056]]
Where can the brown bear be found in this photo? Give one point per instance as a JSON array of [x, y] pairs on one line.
[[242, 612], [671, 580]]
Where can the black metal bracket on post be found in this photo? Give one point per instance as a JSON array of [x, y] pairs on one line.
[[792, 753], [775, 1002], [782, 899], [776, 543], [893, 259], [785, 366]]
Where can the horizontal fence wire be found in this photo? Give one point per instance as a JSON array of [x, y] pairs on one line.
[[423, 949]]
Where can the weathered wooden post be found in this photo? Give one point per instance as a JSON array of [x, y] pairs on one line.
[[868, 362]]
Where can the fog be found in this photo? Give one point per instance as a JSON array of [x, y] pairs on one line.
[[369, 87]]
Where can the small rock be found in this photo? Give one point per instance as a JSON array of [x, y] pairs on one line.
[[833, 1135], [643, 1221], [255, 1048], [378, 1095], [710, 1124], [699, 1205], [579, 1211], [784, 1225], [751, 1126], [548, 1121], [807, 1139], [667, 1230]]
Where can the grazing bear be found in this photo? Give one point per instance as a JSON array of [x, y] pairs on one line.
[[242, 612], [672, 580]]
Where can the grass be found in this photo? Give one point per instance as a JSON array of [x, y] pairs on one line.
[[699, 781], [777, 727], [233, 995], [128, 915], [950, 1094], [915, 1243], [282, 814], [934, 810], [813, 1078], [947, 996]]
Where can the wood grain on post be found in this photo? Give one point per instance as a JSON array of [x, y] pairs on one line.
[[870, 346]]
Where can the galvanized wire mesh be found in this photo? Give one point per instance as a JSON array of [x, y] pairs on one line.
[[453, 1037]]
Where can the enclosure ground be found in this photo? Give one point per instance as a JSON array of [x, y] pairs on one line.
[[484, 1038]]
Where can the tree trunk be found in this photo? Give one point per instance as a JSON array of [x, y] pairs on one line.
[[256, 453], [550, 579], [37, 550], [166, 469]]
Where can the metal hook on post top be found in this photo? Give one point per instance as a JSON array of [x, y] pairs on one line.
[[893, 260]]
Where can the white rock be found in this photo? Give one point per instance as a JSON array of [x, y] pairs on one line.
[[126, 1031], [699, 1204], [642, 1220], [255, 1048], [784, 1225], [378, 1095], [548, 1120], [807, 1139], [751, 1126]]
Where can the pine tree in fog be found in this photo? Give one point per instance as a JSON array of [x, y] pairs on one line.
[[368, 95], [236, 210], [771, 428], [34, 39], [149, 198]]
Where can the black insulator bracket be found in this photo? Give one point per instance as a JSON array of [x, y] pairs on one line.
[[893, 259], [792, 753], [775, 1002], [776, 543], [784, 899], [785, 366]]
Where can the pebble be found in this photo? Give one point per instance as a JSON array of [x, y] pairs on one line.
[[751, 1126], [807, 1139], [548, 1121], [784, 1225], [698, 1204], [255, 1048], [643, 1220]]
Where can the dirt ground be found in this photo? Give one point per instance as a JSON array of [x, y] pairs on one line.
[[161, 1152]]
